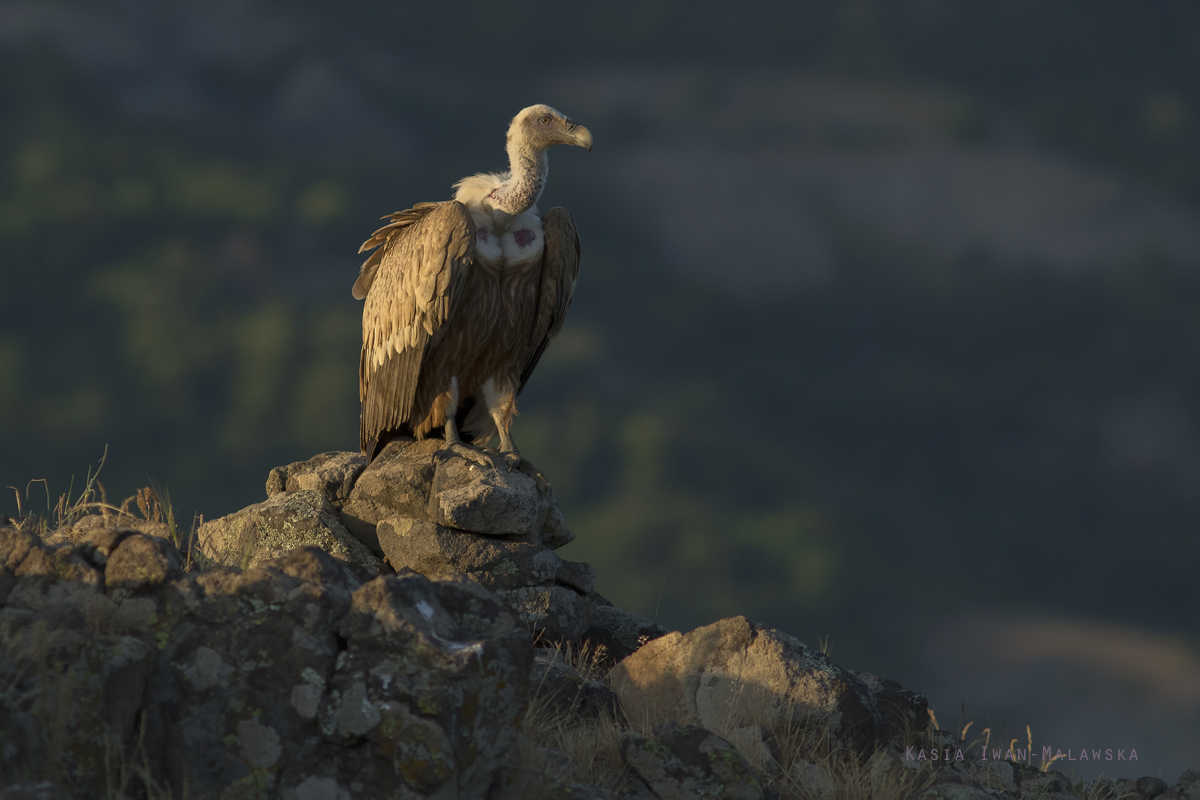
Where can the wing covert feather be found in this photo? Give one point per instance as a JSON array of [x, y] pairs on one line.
[[412, 284], [399, 221]]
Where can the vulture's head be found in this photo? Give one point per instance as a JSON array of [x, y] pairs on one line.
[[541, 127]]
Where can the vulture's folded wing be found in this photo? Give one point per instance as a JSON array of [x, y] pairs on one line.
[[560, 270], [398, 221], [411, 285]]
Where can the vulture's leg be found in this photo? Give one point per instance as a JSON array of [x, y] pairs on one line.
[[502, 407], [454, 443]]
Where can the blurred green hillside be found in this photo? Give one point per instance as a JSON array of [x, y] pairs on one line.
[[916, 434]]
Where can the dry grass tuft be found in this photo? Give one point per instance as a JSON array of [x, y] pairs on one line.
[[591, 746], [1079, 788], [69, 509], [794, 758], [71, 515]]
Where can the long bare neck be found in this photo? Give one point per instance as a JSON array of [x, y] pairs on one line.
[[529, 168]]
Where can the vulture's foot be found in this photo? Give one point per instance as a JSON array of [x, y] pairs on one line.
[[470, 453], [512, 459]]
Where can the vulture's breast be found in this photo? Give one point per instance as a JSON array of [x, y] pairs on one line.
[[519, 243]]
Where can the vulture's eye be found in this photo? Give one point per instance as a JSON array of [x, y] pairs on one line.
[[545, 120]]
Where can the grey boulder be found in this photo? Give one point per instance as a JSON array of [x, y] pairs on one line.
[[430, 548], [332, 474], [735, 673], [285, 522], [420, 481]]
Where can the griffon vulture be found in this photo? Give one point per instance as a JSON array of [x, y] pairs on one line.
[[462, 298]]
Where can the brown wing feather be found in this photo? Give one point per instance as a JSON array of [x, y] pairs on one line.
[[412, 290], [560, 270], [399, 221]]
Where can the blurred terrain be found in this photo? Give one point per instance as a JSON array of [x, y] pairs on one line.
[[889, 312]]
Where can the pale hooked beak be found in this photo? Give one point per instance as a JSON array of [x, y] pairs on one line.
[[579, 135]]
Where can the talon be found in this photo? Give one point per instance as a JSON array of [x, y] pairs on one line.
[[469, 453], [512, 459]]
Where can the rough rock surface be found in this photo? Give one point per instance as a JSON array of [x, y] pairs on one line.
[[417, 480], [85, 525], [1186, 788], [734, 672], [904, 711], [140, 564], [619, 632], [563, 691], [286, 521], [683, 762], [290, 679], [332, 474], [556, 613], [422, 508], [430, 548]]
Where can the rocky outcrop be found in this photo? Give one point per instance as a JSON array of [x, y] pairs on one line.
[[419, 507], [735, 673], [371, 633], [290, 679]]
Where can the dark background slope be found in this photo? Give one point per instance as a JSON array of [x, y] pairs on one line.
[[886, 329]]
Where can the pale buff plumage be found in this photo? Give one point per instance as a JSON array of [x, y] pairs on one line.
[[463, 297]]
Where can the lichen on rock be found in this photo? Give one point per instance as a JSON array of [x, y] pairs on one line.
[[284, 522]]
